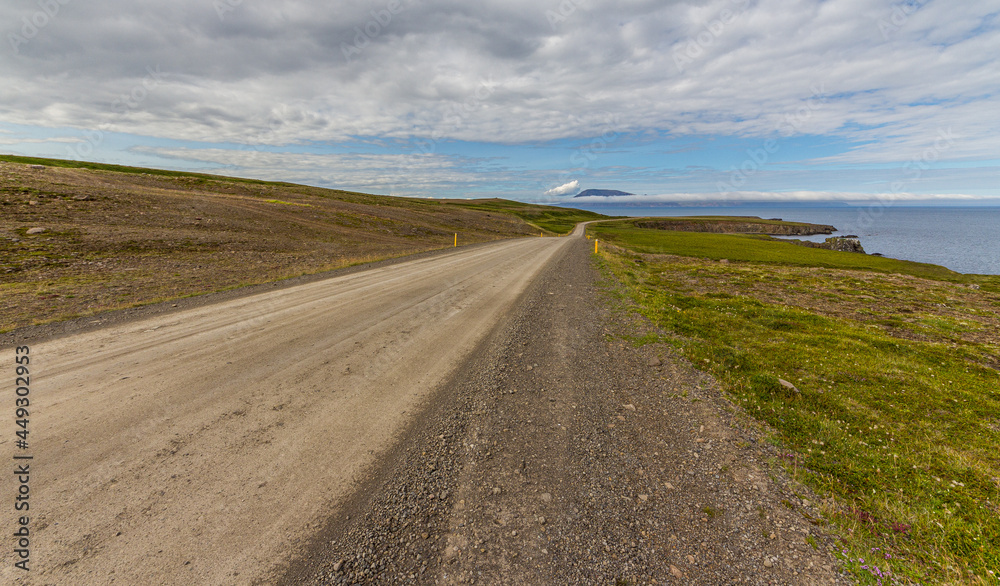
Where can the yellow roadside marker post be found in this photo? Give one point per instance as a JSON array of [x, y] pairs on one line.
[[595, 245], [456, 239]]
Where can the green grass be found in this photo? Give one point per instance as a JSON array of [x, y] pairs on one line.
[[756, 248], [288, 203], [897, 417], [549, 218]]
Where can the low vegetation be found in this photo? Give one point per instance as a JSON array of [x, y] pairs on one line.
[[762, 249], [554, 220], [895, 414], [77, 238]]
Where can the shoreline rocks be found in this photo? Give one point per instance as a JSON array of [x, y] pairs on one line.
[[839, 243]]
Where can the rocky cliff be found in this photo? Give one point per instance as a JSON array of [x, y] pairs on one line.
[[838, 243], [736, 226]]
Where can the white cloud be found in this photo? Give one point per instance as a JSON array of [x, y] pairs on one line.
[[564, 189], [391, 174], [498, 71], [15, 141], [277, 73]]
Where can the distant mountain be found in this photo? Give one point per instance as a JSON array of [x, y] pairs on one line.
[[601, 193]]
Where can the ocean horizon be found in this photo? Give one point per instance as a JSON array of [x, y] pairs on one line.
[[965, 239]]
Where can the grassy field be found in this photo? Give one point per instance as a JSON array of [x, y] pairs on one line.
[[895, 419], [762, 249], [118, 237], [553, 220]]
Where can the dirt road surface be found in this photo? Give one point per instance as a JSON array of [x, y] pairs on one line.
[[207, 446], [562, 453], [477, 417]]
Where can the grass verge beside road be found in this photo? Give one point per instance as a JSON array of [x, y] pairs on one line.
[[895, 419]]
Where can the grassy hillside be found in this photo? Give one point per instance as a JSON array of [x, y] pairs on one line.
[[895, 419], [553, 220], [68, 164], [122, 236]]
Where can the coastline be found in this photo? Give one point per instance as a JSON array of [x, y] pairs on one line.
[[958, 238]]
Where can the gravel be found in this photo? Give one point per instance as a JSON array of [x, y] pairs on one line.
[[561, 454]]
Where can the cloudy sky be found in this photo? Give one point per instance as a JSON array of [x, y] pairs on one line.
[[526, 99]]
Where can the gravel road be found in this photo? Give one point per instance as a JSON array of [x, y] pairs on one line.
[[562, 455], [472, 417], [207, 446]]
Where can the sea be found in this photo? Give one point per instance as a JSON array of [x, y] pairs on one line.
[[963, 239]]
